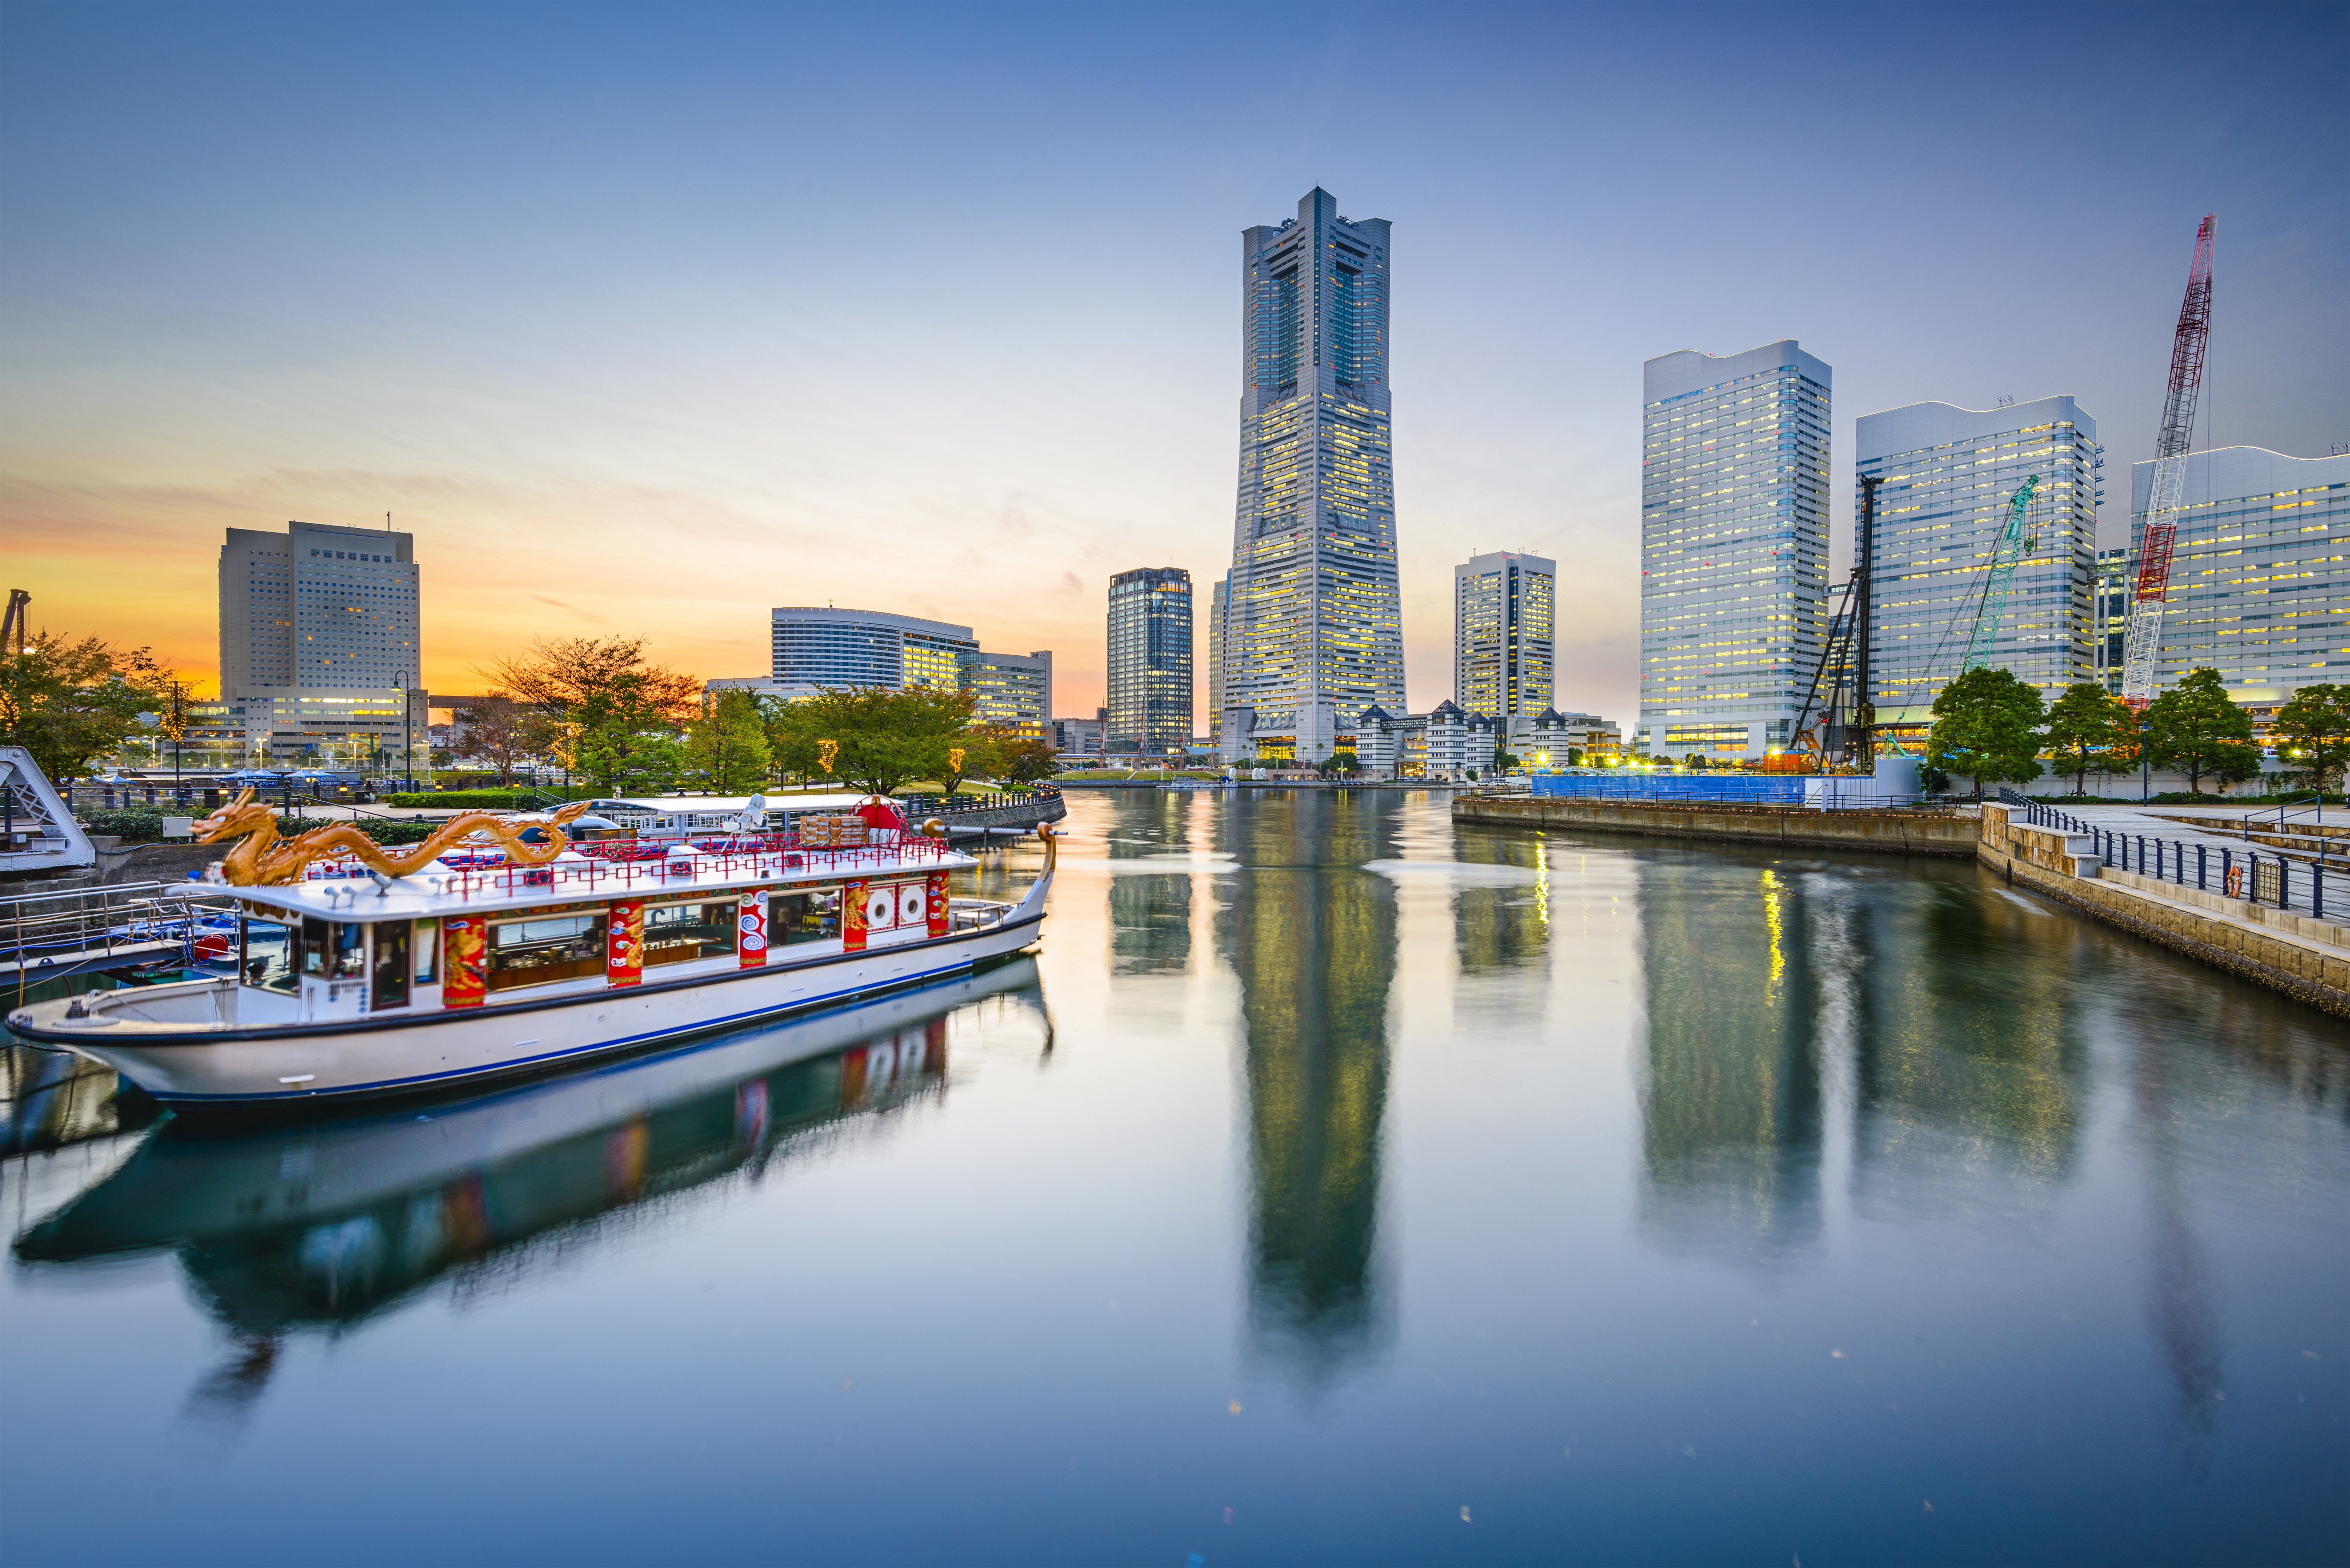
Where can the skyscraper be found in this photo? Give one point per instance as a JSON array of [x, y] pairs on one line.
[[318, 606], [1149, 661], [1733, 546], [1951, 475], [1218, 597], [1503, 634], [2259, 590], [1313, 623], [836, 647]]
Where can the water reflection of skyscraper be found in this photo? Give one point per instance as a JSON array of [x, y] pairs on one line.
[[1732, 1105], [1968, 1043], [325, 1224], [1501, 932], [1314, 946], [1150, 917]]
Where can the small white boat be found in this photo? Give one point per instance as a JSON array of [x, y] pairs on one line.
[[425, 975]]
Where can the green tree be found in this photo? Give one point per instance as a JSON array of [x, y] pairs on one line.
[[2193, 727], [68, 701], [1023, 760], [617, 714], [884, 739], [2312, 729], [1987, 726], [726, 748], [2088, 729], [502, 734]]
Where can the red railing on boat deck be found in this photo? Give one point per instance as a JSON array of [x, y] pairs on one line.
[[623, 865]]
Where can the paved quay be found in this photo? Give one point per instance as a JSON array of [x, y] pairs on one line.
[[2279, 937]]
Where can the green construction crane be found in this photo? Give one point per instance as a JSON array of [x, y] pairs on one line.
[[2005, 557]]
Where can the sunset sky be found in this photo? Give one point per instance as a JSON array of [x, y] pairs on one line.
[[646, 319]]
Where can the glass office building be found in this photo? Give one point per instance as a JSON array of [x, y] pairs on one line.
[[1733, 546], [1314, 624], [319, 605], [838, 648], [1009, 688], [2260, 585], [1951, 475], [1149, 663], [1503, 634]]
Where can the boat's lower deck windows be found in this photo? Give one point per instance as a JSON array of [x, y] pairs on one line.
[[266, 957], [804, 916], [675, 933], [544, 950], [333, 949]]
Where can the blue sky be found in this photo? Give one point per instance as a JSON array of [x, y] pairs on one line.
[[648, 318]]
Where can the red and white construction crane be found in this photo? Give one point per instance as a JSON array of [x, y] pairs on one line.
[[2143, 640]]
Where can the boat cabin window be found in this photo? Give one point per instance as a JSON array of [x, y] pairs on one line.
[[333, 949], [426, 945], [390, 977], [675, 933], [808, 916], [544, 950], [266, 956]]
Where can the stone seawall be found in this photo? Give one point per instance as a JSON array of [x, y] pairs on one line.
[[2297, 954], [1790, 827]]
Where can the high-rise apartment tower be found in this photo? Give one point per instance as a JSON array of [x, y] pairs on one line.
[[1313, 626], [1733, 546], [318, 606], [1149, 661], [1951, 476], [1504, 630]]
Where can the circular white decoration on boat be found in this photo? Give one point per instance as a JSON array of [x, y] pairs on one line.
[[913, 905], [880, 909]]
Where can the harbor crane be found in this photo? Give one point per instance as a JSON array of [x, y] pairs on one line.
[[2007, 554], [2142, 640]]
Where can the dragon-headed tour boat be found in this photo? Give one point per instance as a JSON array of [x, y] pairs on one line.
[[498, 947]]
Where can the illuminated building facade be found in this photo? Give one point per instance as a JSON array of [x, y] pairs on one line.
[[1733, 546], [2110, 610], [1949, 475], [1504, 630], [1009, 688], [1313, 623], [1149, 661], [2260, 576], [318, 606], [834, 648], [1217, 597]]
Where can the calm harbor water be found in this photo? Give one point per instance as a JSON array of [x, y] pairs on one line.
[[1334, 1185]]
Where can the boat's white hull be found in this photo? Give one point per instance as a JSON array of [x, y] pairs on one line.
[[397, 1054]]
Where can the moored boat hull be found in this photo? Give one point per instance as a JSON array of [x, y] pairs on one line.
[[428, 1051]]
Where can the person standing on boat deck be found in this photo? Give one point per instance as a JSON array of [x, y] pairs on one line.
[[882, 823]]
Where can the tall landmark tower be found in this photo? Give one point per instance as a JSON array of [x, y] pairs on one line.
[[1312, 627]]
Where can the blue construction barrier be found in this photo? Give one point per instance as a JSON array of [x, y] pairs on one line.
[[1694, 789]]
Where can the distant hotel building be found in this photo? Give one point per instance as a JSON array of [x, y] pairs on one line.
[[1149, 661], [1313, 624], [840, 647], [1950, 476], [1219, 597], [1012, 688], [319, 639], [1505, 608], [2258, 587], [1733, 546]]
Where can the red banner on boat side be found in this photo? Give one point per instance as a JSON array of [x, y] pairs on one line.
[[624, 951], [751, 926], [852, 916], [464, 978], [937, 903]]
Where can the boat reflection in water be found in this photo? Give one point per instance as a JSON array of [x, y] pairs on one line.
[[326, 1223]]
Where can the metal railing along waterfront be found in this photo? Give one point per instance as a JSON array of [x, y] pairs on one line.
[[620, 865], [2273, 879], [44, 935]]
